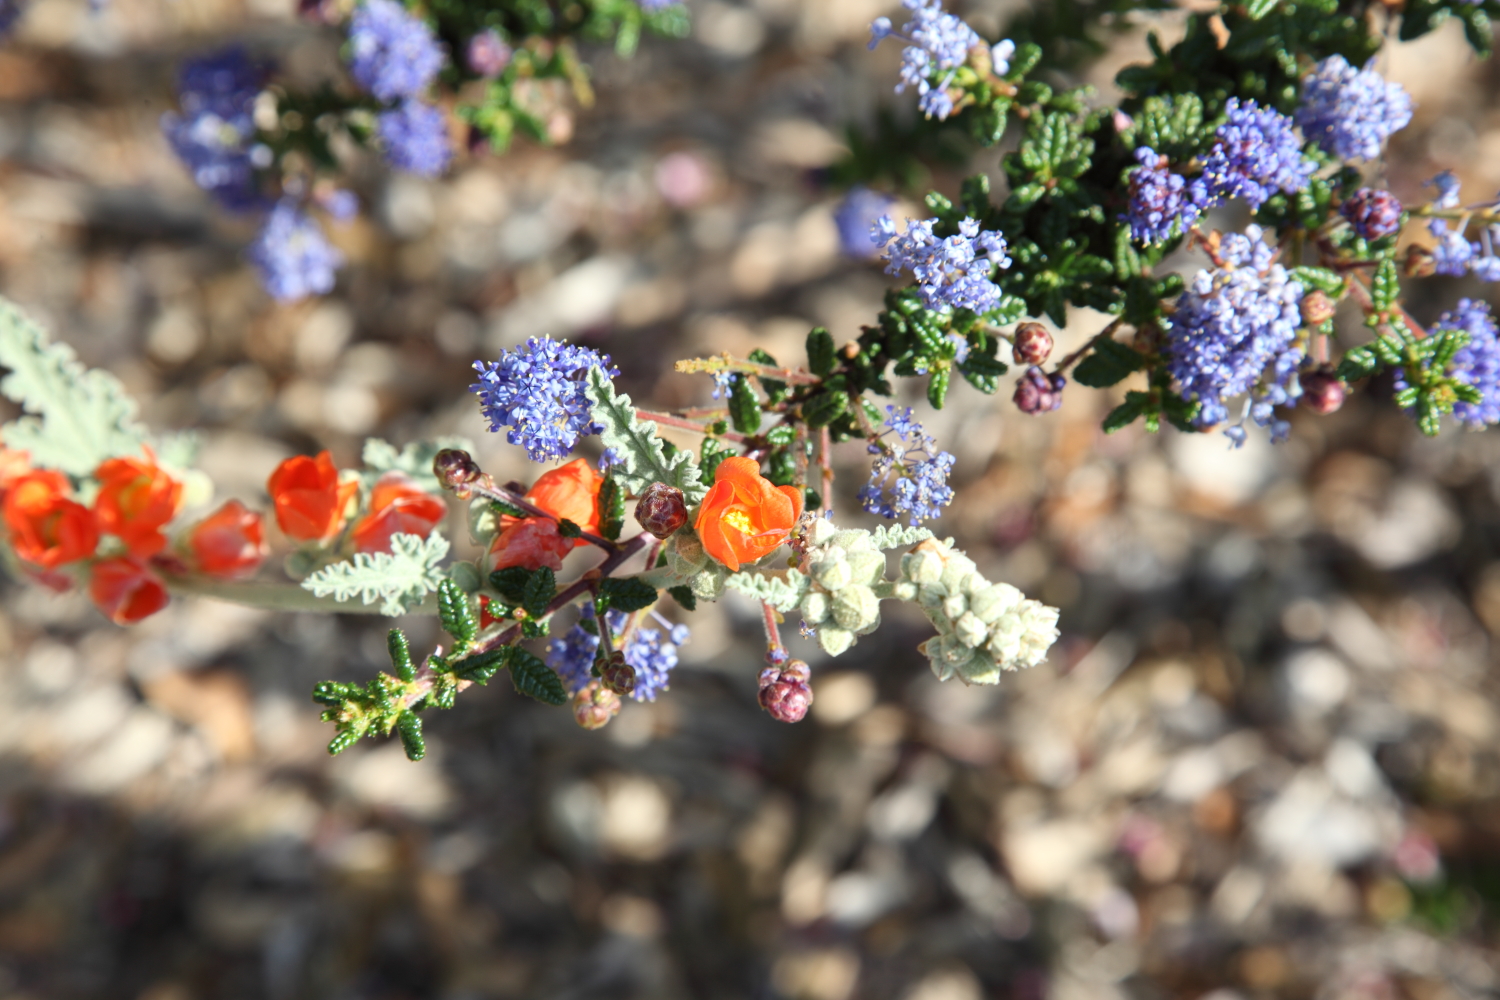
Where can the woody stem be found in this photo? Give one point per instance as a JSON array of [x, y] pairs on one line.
[[682, 423], [825, 466], [773, 630]]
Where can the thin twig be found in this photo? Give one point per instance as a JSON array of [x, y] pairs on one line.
[[1095, 340], [726, 363], [773, 631], [514, 499], [682, 423], [825, 465]]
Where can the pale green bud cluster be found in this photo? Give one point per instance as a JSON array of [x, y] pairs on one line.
[[847, 581], [690, 564], [983, 628]]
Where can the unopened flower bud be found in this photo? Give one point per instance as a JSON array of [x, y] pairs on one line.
[[661, 510], [1317, 307], [1373, 213], [785, 691], [1322, 392], [857, 609], [595, 705], [617, 675], [455, 469], [1033, 344], [1037, 392]]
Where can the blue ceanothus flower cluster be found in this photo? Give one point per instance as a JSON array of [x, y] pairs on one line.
[[910, 475], [1477, 363], [1350, 112], [1454, 253], [952, 272], [293, 256], [939, 43], [650, 652], [1234, 332], [214, 133], [537, 390], [395, 56]]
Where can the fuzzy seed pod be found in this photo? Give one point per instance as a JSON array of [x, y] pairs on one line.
[[785, 692], [661, 510], [1038, 392]]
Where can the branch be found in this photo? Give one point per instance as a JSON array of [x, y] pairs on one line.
[[726, 363]]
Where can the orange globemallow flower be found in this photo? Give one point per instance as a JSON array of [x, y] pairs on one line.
[[46, 528], [744, 517], [125, 590], [230, 542], [398, 506], [136, 499], [570, 492], [309, 498]]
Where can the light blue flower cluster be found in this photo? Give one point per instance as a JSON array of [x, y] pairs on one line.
[[939, 43], [910, 476], [1350, 112], [395, 56], [537, 390], [214, 135], [293, 257], [1234, 332], [1454, 254], [1477, 363], [651, 653], [1254, 154], [855, 217], [951, 273]]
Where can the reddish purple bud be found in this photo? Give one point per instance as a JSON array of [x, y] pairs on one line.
[[777, 655], [454, 468], [1322, 392], [618, 675], [661, 510], [1038, 392], [488, 55], [785, 691], [1317, 307], [595, 705], [1373, 213], [1033, 344]]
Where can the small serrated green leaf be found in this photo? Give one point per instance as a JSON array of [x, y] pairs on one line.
[[684, 596], [1361, 362], [820, 351], [744, 405], [455, 614], [824, 408], [400, 651], [539, 591], [611, 503], [1320, 278], [480, 667], [625, 593], [409, 725], [568, 529], [511, 583], [343, 740], [1108, 364], [1128, 412], [937, 387], [535, 679], [1385, 288]]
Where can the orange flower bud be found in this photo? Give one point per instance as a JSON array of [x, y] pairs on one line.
[[46, 528], [571, 492], [397, 506], [309, 498], [136, 499], [744, 517], [229, 542], [126, 590]]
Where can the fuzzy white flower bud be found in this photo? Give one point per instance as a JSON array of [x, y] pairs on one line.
[[815, 607], [922, 566], [970, 630], [857, 609], [831, 569], [835, 640], [867, 567], [821, 531]]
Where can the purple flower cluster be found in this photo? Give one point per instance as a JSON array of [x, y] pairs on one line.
[[939, 44], [1234, 332], [1255, 153], [1161, 202], [651, 653], [293, 257], [1373, 213], [415, 137], [909, 477], [1350, 112], [537, 390], [855, 217], [214, 135], [951, 273], [1477, 363], [392, 53], [1454, 254]]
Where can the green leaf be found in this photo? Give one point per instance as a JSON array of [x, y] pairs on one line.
[[625, 593], [782, 590], [1478, 30], [611, 502], [455, 614], [415, 460], [710, 455], [507, 508], [343, 740], [895, 536], [409, 725], [1110, 362], [539, 591], [480, 667], [1128, 412], [983, 371], [744, 405], [1386, 286], [1320, 278], [511, 583], [937, 387], [775, 388], [820, 352], [646, 460], [684, 596], [76, 417], [400, 650], [825, 407], [568, 529], [1258, 9], [398, 579], [535, 679]]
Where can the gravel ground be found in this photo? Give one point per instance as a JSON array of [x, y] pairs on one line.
[[1262, 761]]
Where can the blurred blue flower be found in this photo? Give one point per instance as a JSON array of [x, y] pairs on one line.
[[293, 257]]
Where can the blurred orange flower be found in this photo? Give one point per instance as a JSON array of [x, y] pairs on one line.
[[136, 499], [13, 465], [47, 529], [570, 492], [230, 542], [309, 498], [397, 506], [745, 517], [125, 590]]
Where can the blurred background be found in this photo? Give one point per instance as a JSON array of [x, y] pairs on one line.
[[1261, 762]]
